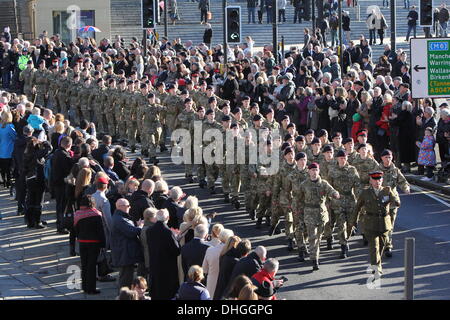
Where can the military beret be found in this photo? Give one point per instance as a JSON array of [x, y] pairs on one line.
[[184, 92], [41, 61], [386, 152], [99, 80], [170, 86], [209, 87], [347, 140], [226, 118], [96, 73], [143, 86], [327, 148], [341, 153], [290, 125], [202, 82], [111, 80], [150, 95], [237, 110], [87, 79], [159, 84], [254, 105], [130, 82], [285, 145], [300, 155], [362, 145], [288, 150], [336, 134], [269, 110], [321, 133], [212, 99], [234, 125], [314, 165], [187, 100], [309, 131], [257, 117], [315, 140], [108, 66], [246, 98], [194, 75], [80, 60], [209, 111], [285, 117], [299, 138], [362, 133], [188, 81], [376, 175], [122, 80], [287, 137], [102, 180]]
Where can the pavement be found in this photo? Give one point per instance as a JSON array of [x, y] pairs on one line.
[[35, 264]]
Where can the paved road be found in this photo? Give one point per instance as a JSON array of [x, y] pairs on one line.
[[33, 264]]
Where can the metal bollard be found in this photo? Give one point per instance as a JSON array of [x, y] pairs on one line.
[[409, 268]]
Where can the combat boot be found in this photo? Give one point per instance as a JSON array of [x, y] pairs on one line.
[[252, 214], [202, 184], [190, 179], [365, 242], [258, 223], [212, 190], [315, 264], [267, 221], [344, 251], [226, 198], [330, 243], [274, 229], [301, 255], [290, 246], [133, 149], [236, 203]]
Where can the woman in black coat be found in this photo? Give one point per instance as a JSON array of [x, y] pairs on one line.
[[406, 123], [120, 166], [207, 35], [34, 159], [88, 226], [228, 259]]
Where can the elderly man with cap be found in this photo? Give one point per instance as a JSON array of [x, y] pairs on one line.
[[297, 177], [312, 196], [345, 179], [212, 170], [282, 197], [377, 201], [393, 178]]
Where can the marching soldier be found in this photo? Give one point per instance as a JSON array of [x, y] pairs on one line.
[[345, 179], [27, 77], [326, 165], [130, 115], [297, 177], [212, 170], [246, 109], [62, 97], [201, 168], [263, 181], [73, 90], [282, 196], [53, 79], [377, 201], [314, 153], [119, 107], [309, 136], [312, 196], [174, 105], [161, 95], [300, 144], [100, 101], [185, 119], [270, 122], [112, 95], [249, 177], [322, 134], [237, 118], [337, 142], [40, 84], [226, 126], [86, 96], [233, 170], [393, 178], [349, 146], [152, 126], [141, 105]]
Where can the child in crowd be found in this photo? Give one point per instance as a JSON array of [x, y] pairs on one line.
[[427, 156]]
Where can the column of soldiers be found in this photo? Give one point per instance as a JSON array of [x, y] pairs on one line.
[[320, 184]]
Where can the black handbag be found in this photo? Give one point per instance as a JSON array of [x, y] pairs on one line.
[[104, 263]]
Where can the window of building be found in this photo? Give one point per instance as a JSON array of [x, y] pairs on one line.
[[61, 19]]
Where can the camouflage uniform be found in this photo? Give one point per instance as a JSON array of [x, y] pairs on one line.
[[40, 81], [100, 101], [264, 185], [313, 157], [201, 168], [233, 171], [130, 117], [162, 97], [74, 103], [212, 170], [185, 121], [392, 178], [152, 127], [282, 195], [325, 167], [62, 96], [352, 157], [174, 106], [86, 98], [378, 223], [346, 181], [141, 104], [312, 196], [297, 177], [249, 178], [52, 102], [113, 97], [271, 125], [27, 77], [119, 113]]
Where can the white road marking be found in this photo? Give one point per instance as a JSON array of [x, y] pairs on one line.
[[416, 188]]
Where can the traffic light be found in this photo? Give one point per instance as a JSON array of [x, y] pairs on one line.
[[426, 13], [233, 24], [148, 13]]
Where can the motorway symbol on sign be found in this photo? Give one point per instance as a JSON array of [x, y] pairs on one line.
[[430, 76]]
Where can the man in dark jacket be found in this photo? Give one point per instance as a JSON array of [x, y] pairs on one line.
[[100, 153], [176, 211], [62, 163], [288, 91], [250, 264], [229, 88], [126, 248], [203, 5], [412, 22], [140, 200], [443, 17], [163, 252], [251, 7], [193, 252]]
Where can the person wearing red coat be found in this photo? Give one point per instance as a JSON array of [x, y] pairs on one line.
[[267, 273]]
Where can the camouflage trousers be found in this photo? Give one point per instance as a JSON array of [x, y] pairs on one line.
[[150, 140], [393, 214], [74, 113], [111, 123], [264, 205], [40, 99], [345, 217], [300, 232], [377, 243], [201, 171], [188, 146], [225, 179], [329, 226], [284, 209], [131, 126], [212, 173], [315, 232], [27, 91], [233, 172], [120, 128], [62, 102], [250, 187], [52, 103], [85, 113]]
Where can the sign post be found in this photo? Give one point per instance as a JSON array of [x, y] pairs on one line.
[[430, 67]]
